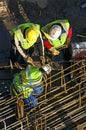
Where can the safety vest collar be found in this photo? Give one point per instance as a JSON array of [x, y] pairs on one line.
[[65, 24], [19, 32], [62, 39]]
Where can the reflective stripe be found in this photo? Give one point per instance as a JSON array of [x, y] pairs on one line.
[[20, 36], [28, 73], [32, 83], [64, 25], [29, 76], [20, 76], [35, 83]]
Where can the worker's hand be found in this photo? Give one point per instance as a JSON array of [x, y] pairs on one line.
[[47, 68], [54, 51], [30, 60]]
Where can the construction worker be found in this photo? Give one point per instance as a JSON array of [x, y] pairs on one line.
[[56, 39], [29, 84], [25, 36]]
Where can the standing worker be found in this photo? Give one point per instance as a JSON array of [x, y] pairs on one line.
[[56, 37], [25, 36]]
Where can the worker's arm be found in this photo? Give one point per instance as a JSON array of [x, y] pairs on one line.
[[70, 32], [28, 59], [50, 47], [19, 48], [69, 36], [46, 43]]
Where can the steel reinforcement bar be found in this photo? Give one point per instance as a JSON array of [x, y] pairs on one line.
[[53, 103]]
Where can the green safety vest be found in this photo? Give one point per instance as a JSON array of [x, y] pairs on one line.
[[25, 81], [57, 43], [24, 43]]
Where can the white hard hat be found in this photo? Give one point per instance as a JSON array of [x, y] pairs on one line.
[[55, 32]]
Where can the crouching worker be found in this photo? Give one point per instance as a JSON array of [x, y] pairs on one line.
[[24, 37], [28, 83], [56, 38]]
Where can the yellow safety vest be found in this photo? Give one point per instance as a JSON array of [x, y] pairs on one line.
[[58, 42], [24, 43]]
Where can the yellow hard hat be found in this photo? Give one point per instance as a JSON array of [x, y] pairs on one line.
[[31, 35]]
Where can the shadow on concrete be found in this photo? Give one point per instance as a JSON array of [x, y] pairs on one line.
[[4, 44]]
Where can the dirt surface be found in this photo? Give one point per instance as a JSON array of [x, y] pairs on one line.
[[44, 11], [41, 12]]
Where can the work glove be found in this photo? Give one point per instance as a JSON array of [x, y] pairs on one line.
[[46, 68], [54, 51], [29, 60]]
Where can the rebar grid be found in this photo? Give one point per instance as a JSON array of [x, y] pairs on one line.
[[58, 105]]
